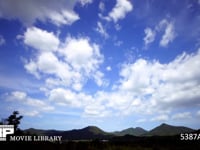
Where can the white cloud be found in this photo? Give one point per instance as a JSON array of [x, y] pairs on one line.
[[81, 54], [98, 76], [117, 27], [30, 11], [95, 110], [31, 68], [169, 33], [30, 113], [145, 88], [160, 118], [149, 36], [18, 95], [164, 87], [91, 105], [41, 39], [23, 99], [84, 2], [101, 6], [118, 43], [108, 68], [48, 64], [168, 36], [184, 115], [198, 113], [65, 97], [120, 10], [101, 30], [71, 63], [2, 40], [141, 120]]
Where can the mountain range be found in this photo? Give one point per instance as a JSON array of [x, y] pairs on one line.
[[93, 132]]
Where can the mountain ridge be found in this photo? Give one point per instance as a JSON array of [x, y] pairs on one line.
[[168, 130], [138, 131], [93, 132]]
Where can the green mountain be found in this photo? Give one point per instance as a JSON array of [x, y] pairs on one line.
[[131, 131], [168, 130], [90, 132]]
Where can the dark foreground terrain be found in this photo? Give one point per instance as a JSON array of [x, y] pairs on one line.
[[117, 143]]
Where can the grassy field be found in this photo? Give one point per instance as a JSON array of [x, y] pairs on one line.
[[155, 144]]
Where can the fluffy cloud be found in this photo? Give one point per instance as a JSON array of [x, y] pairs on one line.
[[168, 86], [82, 54], [149, 36], [65, 97], [71, 63], [30, 11], [120, 10], [145, 88], [41, 39], [91, 105]]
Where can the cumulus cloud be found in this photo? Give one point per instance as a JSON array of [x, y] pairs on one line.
[[168, 86], [82, 54], [91, 106], [29, 12], [120, 10], [145, 88], [71, 63], [41, 39], [65, 97]]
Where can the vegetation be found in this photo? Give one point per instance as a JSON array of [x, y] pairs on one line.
[[150, 143]]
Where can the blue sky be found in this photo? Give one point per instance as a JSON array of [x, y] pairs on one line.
[[110, 63]]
